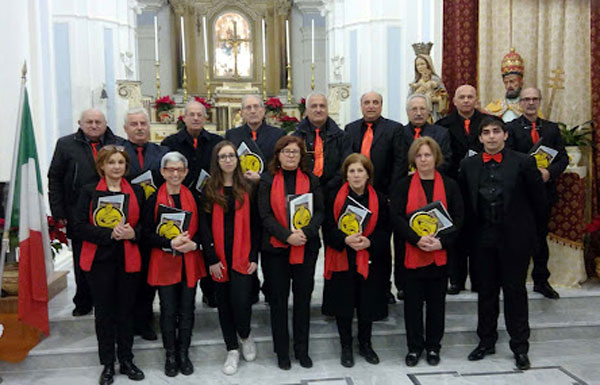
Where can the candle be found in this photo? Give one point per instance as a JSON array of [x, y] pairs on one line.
[[155, 38], [312, 41], [205, 39], [264, 43], [182, 40], [287, 40]]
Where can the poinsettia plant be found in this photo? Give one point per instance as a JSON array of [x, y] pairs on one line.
[[288, 123], [180, 123], [58, 235], [164, 104], [274, 105], [204, 102], [302, 106]]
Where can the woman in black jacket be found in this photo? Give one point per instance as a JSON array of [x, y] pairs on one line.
[[291, 255], [107, 220], [355, 265]]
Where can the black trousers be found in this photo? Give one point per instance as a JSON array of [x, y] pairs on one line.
[[83, 293], [177, 305], [344, 325], [207, 286], [235, 307], [540, 272], [399, 268], [280, 272], [425, 285], [113, 292], [499, 270], [145, 297], [460, 263]]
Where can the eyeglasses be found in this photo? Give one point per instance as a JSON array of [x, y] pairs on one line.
[[171, 170], [226, 157], [530, 100], [289, 152], [110, 147]]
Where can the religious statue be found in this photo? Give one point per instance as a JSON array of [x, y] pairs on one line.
[[428, 83], [512, 76]]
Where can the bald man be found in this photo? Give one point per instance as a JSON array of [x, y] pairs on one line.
[[72, 167]]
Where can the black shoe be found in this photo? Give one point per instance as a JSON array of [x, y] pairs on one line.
[[347, 358], [390, 298], [369, 354], [454, 289], [210, 300], [546, 290], [147, 334], [185, 365], [131, 371], [108, 374], [480, 352], [171, 365], [433, 358], [304, 360], [412, 359], [400, 295], [81, 311], [522, 361], [284, 363]]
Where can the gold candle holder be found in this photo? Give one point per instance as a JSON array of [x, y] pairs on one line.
[[157, 79], [207, 80], [289, 83], [312, 76], [264, 81], [185, 93]]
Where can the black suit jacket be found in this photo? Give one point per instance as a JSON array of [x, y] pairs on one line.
[[266, 138], [439, 134], [460, 142], [525, 204], [519, 139], [388, 151], [153, 154]]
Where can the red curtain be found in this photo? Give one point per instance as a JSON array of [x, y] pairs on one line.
[[461, 30], [595, 65]]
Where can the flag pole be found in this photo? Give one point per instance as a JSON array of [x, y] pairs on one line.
[[11, 186]]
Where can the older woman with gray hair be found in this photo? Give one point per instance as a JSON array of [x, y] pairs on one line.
[[176, 263]]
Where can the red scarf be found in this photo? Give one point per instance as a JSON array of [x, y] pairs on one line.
[[133, 259], [279, 210], [338, 260], [415, 257], [242, 242], [165, 268]]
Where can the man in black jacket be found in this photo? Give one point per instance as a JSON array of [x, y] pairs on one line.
[[72, 167], [329, 149], [144, 156], [523, 133], [381, 140], [505, 205]]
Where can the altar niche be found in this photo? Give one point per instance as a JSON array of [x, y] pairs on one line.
[[233, 56]]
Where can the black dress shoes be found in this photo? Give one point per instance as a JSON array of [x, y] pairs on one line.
[[147, 334], [433, 358], [347, 358], [390, 298], [210, 300], [522, 361], [480, 352], [81, 311], [185, 364], [454, 289], [400, 295], [546, 290], [131, 371], [305, 361], [171, 365], [412, 359], [284, 363], [108, 374], [370, 356]]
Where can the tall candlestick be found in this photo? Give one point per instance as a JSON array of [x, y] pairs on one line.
[[205, 39], [264, 42], [182, 40], [155, 38], [287, 40], [312, 41]]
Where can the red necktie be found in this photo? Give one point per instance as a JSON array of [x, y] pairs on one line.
[[318, 167], [468, 126], [367, 141], [195, 143], [140, 156], [535, 137], [253, 135], [417, 132], [496, 157], [95, 148]]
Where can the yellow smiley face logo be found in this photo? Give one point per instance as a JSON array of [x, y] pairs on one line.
[[542, 160], [250, 162], [108, 216], [349, 224], [301, 217], [424, 224], [169, 230], [148, 189]]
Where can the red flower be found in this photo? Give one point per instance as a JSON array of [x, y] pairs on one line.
[[274, 104], [164, 104], [593, 226], [288, 119], [204, 102], [56, 231], [303, 101]]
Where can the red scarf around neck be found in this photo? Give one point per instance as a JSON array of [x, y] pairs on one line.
[[165, 268], [415, 257], [133, 259], [338, 260], [242, 242], [278, 204]]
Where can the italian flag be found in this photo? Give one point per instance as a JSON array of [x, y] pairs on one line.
[[26, 210]]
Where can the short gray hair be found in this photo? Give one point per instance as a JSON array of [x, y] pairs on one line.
[[173, 156], [371, 92], [191, 102], [313, 94], [246, 97], [81, 117], [415, 96], [136, 111], [535, 88]]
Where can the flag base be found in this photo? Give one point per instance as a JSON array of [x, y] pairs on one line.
[[56, 284]]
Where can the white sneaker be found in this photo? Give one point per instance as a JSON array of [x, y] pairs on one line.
[[231, 362], [248, 348]]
